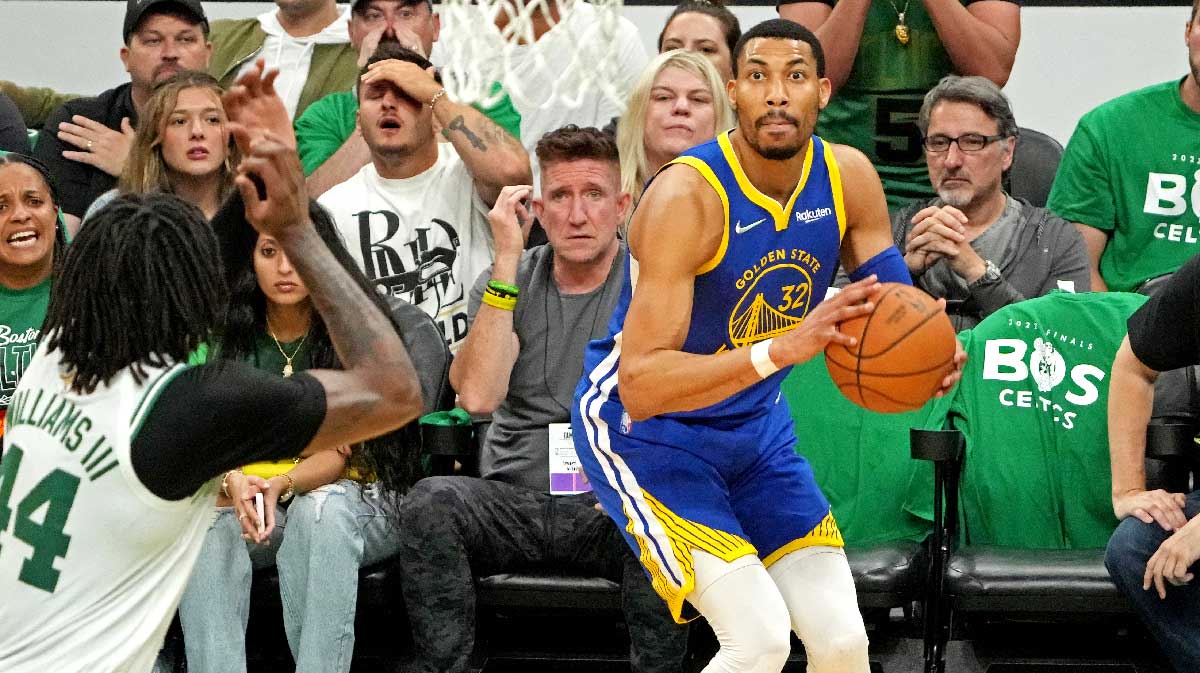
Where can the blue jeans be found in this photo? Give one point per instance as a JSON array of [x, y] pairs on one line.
[[216, 602], [332, 532], [1174, 621]]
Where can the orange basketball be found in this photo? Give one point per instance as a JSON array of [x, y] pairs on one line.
[[905, 348]]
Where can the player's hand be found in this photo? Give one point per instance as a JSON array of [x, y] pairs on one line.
[[510, 220], [414, 81], [1152, 506], [252, 104], [1172, 560], [99, 146], [820, 328], [271, 182]]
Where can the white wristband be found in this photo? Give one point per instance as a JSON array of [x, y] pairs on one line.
[[760, 357]]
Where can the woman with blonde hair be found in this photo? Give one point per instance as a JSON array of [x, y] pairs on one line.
[[182, 145], [679, 102]]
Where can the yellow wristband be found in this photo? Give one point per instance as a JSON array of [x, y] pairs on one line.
[[502, 303]]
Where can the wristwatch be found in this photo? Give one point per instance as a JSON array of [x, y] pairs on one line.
[[991, 274]]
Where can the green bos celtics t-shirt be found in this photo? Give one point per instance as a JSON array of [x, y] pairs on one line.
[[327, 123], [1132, 169], [21, 315], [876, 109], [1033, 404]]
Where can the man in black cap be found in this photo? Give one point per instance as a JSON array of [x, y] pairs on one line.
[[86, 140]]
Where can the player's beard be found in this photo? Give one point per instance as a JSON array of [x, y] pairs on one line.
[[781, 152]]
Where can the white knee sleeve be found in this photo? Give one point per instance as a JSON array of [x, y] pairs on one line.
[[818, 590], [746, 612]]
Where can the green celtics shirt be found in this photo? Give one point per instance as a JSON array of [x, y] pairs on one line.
[[1132, 169], [860, 458], [876, 109], [1033, 405], [21, 315]]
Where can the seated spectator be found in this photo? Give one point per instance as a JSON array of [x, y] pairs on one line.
[[882, 57], [678, 103], [1127, 175], [532, 314], [86, 141], [974, 245], [334, 523], [415, 218], [182, 146], [331, 148], [30, 245], [706, 27], [1153, 553], [13, 136], [306, 41]]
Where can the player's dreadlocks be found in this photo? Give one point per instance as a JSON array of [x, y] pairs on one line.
[[392, 458], [140, 286]]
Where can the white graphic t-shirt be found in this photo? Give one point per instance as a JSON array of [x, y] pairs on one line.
[[424, 239]]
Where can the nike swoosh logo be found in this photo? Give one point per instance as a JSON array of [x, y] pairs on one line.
[[741, 230]]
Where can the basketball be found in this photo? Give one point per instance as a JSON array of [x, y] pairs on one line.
[[905, 348]]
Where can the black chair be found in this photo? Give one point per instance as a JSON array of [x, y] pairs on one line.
[[1030, 584], [1035, 161]]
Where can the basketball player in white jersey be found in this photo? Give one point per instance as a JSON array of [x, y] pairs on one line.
[[113, 443]]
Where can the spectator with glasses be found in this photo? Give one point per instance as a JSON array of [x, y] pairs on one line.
[[973, 244]]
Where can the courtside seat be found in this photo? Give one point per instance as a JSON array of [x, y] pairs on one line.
[[986, 578], [888, 574], [548, 591]]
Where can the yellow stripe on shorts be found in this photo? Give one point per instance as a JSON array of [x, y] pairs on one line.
[[824, 534], [683, 536]]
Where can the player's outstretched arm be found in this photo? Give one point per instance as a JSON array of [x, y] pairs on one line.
[[676, 229], [378, 390]]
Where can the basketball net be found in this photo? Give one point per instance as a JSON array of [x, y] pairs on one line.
[[573, 60]]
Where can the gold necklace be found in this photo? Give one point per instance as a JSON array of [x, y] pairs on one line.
[[901, 26], [287, 367]]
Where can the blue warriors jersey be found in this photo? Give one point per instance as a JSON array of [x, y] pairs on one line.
[[773, 266]]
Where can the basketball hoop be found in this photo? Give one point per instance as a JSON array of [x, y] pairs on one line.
[[571, 62]]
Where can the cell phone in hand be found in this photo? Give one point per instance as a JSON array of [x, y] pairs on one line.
[[258, 509]]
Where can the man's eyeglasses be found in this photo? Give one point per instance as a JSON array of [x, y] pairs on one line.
[[967, 142]]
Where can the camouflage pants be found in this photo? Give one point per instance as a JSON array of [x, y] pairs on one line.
[[456, 528]]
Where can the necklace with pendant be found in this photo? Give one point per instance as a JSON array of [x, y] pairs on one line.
[[287, 366], [901, 27]]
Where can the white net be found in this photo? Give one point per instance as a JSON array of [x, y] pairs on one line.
[[541, 53]]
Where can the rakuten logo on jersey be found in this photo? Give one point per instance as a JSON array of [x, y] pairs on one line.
[[1167, 195], [1005, 360]]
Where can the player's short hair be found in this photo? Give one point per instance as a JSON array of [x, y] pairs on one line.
[[390, 50], [979, 91], [572, 143], [140, 286], [781, 29], [730, 25], [1195, 7]]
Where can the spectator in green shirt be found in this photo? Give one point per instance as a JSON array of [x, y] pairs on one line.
[[330, 144]]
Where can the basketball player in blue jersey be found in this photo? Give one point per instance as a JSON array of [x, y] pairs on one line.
[[678, 419]]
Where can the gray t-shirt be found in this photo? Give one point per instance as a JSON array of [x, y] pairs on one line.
[[553, 329]]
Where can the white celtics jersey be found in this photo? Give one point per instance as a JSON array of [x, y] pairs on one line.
[[92, 564]]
